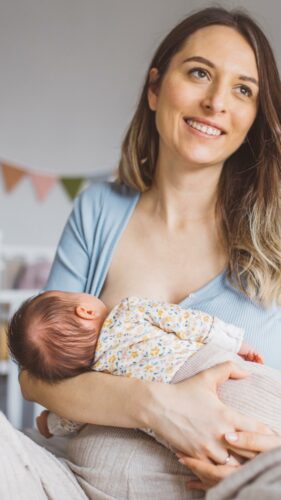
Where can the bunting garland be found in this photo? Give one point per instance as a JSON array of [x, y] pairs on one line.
[[43, 183], [12, 175], [72, 185]]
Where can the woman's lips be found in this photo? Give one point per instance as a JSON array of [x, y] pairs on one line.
[[204, 129]]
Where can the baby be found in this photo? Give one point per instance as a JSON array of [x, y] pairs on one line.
[[62, 334]]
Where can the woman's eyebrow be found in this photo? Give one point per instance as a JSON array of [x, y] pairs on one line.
[[201, 60], [249, 79], [209, 63]]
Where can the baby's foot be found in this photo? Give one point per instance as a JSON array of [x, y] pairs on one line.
[[247, 352], [42, 424], [253, 356]]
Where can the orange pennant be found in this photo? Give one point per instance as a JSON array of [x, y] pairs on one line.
[[42, 184], [11, 175]]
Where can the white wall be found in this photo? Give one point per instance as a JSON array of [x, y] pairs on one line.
[[71, 71]]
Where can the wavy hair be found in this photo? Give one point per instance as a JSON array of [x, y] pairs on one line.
[[249, 202]]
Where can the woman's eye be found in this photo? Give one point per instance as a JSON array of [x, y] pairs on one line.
[[199, 73], [244, 90]]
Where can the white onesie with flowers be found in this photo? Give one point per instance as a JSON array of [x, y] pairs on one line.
[[151, 340]]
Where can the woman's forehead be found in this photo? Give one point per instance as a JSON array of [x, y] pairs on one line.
[[221, 45]]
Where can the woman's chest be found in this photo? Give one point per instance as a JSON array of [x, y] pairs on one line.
[[159, 267]]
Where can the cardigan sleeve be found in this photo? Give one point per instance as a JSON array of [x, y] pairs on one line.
[[72, 260]]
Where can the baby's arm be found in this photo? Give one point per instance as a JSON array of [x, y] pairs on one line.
[[49, 424], [187, 324]]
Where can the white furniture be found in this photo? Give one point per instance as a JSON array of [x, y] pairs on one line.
[[13, 299]]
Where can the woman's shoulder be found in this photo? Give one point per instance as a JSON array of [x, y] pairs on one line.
[[98, 193], [103, 205]]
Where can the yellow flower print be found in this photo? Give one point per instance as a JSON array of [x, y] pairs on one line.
[[148, 368], [155, 351], [112, 359], [108, 322]]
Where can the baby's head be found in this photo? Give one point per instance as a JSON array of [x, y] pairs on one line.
[[54, 334]]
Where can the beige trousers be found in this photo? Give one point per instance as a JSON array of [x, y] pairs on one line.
[[120, 464]]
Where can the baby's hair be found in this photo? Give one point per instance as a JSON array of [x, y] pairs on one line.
[[47, 338]]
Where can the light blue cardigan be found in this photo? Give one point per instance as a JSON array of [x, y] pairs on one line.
[[85, 250]]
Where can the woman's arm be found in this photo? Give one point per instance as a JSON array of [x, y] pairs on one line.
[[95, 398], [172, 411]]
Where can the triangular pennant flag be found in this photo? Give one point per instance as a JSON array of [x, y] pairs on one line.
[[42, 184], [11, 175], [72, 185]]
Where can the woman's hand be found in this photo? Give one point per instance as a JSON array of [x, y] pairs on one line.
[[208, 474], [247, 444], [191, 417]]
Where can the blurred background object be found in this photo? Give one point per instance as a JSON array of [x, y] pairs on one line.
[[24, 271]]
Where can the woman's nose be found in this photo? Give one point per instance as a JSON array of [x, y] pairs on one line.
[[215, 100]]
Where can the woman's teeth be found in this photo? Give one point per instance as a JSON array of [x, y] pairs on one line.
[[204, 128]]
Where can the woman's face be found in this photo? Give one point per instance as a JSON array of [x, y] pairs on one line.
[[208, 98]]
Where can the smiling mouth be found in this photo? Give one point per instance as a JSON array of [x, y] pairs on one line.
[[205, 129]]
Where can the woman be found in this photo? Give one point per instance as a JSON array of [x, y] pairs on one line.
[[195, 221]]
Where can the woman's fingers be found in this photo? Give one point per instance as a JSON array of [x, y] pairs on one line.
[[208, 473], [243, 453], [197, 485], [249, 424], [250, 441], [218, 374], [180, 455]]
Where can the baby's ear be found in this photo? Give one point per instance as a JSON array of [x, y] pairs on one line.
[[85, 312]]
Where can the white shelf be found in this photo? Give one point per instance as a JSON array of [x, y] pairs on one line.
[[10, 296], [13, 299], [3, 367]]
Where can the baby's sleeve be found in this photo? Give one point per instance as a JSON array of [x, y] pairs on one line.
[[226, 335], [59, 426], [186, 324]]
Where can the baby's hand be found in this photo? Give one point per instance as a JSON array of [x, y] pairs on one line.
[[249, 354], [42, 424]]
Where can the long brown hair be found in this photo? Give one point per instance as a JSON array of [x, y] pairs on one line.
[[249, 202]]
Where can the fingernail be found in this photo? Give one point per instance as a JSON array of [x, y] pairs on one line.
[[179, 454], [182, 460], [231, 436]]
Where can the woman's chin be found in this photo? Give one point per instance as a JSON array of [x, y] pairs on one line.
[[202, 161]]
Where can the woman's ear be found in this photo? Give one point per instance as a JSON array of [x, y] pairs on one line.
[[152, 96], [85, 312]]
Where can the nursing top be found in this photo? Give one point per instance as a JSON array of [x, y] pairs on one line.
[[98, 219]]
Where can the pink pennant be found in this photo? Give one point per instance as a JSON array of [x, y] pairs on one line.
[[42, 184]]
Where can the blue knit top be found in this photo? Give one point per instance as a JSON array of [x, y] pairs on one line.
[[85, 250]]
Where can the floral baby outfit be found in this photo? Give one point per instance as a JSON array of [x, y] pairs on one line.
[[151, 340]]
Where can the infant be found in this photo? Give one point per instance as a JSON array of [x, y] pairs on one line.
[[62, 334]]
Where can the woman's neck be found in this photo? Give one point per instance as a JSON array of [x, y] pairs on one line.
[[181, 198]]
